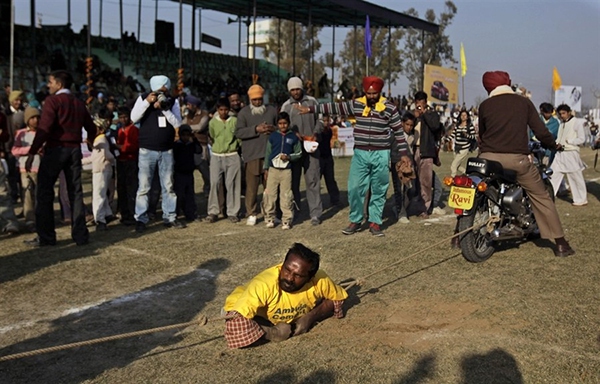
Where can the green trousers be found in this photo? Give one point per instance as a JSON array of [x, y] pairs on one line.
[[368, 169]]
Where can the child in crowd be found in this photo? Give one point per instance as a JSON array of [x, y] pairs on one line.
[[401, 187], [183, 176], [127, 166], [103, 162], [225, 163], [283, 146], [326, 161], [23, 139]]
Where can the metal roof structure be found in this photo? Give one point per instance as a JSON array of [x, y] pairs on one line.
[[344, 13]]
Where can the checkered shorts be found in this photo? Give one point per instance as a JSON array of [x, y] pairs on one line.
[[241, 332]]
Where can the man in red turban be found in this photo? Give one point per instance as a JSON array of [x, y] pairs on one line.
[[503, 121], [372, 86], [492, 80]]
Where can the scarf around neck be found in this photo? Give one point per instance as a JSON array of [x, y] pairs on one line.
[[379, 106]]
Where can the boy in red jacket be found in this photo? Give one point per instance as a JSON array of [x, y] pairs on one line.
[[127, 166]]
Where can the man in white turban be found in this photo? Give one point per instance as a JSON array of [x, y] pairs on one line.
[[158, 115]]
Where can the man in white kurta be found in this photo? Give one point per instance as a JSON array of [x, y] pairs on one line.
[[568, 162]]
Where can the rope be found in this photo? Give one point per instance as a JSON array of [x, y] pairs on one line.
[[201, 322], [489, 227]]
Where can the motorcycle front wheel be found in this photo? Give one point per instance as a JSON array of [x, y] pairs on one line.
[[476, 245]]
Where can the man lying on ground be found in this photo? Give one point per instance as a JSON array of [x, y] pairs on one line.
[[282, 301]]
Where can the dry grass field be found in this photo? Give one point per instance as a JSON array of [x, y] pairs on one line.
[[524, 316]]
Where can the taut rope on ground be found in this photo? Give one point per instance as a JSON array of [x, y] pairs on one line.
[[203, 320]]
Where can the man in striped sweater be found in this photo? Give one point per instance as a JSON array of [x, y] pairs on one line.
[[376, 120]]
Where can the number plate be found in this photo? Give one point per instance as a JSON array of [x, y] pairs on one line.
[[462, 198]]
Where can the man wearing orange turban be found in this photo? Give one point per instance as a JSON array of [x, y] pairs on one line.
[[376, 120], [503, 121]]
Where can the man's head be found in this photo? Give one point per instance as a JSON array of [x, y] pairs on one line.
[[32, 117], [493, 79], [283, 122], [14, 98], [326, 120], [546, 109], [420, 103], [160, 83], [124, 114], [300, 265], [223, 108], [564, 111], [235, 102], [294, 86], [192, 103], [256, 94], [408, 122], [58, 80], [185, 133], [372, 85]]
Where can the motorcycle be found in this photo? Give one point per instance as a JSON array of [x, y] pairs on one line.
[[489, 199]]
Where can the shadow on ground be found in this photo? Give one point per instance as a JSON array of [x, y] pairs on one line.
[[174, 301]]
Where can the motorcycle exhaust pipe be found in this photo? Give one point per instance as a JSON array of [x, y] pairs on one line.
[[507, 233]]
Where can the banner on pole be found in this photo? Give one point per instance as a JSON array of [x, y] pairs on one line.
[[441, 84]]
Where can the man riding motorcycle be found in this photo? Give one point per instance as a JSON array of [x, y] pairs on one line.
[[503, 121]]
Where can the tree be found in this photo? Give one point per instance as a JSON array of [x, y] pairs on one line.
[[422, 48], [282, 42], [385, 60]]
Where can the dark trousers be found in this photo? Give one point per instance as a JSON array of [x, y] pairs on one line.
[[183, 184], [127, 185], [254, 178], [328, 173], [55, 160]]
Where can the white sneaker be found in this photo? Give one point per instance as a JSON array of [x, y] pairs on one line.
[[251, 220], [270, 224], [438, 211], [404, 220], [285, 226]]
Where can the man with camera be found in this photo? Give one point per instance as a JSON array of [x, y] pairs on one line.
[[158, 114]]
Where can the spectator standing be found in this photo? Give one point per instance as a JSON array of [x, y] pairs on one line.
[[59, 129], [23, 140], [552, 123], [463, 135], [198, 120], [184, 150], [127, 166], [307, 126], [568, 162], [255, 122], [326, 162], [225, 165], [283, 148], [103, 162], [158, 115]]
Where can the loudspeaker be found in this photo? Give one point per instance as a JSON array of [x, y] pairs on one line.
[[164, 33]]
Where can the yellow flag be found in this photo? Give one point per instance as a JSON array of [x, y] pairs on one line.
[[463, 61], [556, 80]]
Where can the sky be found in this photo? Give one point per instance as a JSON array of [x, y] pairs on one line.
[[525, 38]]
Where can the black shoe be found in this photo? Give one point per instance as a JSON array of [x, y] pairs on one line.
[[315, 221], [175, 224], [455, 242], [35, 242], [210, 218], [110, 219], [101, 226], [564, 251], [234, 219], [351, 229], [128, 222], [140, 227], [376, 230]]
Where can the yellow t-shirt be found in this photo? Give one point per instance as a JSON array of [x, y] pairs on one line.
[[263, 297]]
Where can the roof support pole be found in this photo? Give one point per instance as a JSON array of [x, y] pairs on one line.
[[422, 59], [278, 50], [137, 45], [180, 33], [122, 45], [389, 61], [294, 44], [33, 39], [254, 40], [333, 64], [354, 82], [311, 45], [193, 63], [100, 24]]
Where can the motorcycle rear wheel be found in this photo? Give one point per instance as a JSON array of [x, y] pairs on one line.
[[476, 245]]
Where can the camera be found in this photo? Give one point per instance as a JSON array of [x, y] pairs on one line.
[[164, 100]]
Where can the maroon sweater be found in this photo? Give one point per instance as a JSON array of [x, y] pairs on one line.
[[503, 122], [63, 116]]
